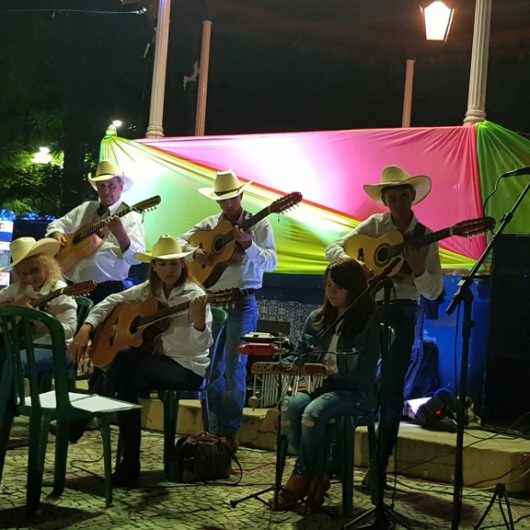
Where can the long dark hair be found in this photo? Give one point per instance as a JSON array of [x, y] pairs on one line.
[[349, 275], [156, 284]]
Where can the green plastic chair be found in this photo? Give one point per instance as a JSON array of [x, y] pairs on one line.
[[84, 305], [16, 327]]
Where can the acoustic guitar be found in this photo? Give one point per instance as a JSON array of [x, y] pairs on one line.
[[136, 325], [86, 240], [76, 289], [219, 243], [377, 252]]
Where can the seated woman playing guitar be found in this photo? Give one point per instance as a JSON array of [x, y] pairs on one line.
[[344, 393], [177, 359], [37, 275]]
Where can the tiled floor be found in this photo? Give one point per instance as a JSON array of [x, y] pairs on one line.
[[157, 504]]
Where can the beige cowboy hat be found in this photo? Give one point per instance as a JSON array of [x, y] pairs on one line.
[[226, 186], [395, 176], [107, 170], [167, 247], [27, 247]]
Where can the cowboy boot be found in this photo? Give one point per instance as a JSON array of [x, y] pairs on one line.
[[294, 490]]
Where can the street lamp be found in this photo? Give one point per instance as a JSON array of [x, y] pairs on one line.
[[478, 73], [112, 129], [42, 156], [438, 18]]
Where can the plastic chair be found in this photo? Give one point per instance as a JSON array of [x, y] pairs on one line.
[[16, 326], [345, 452], [170, 398], [84, 305]]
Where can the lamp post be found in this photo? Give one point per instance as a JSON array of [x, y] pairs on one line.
[[438, 18], [156, 109], [478, 74]]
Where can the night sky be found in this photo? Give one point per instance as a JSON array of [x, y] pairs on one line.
[[275, 66]]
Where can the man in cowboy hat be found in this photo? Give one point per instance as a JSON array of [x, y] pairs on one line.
[[123, 239], [420, 275], [255, 255]]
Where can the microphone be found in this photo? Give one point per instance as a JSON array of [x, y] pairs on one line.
[[515, 172]]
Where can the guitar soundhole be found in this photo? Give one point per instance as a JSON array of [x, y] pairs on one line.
[[134, 326], [218, 245], [381, 255]]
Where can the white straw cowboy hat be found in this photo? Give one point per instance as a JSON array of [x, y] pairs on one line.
[[393, 176], [27, 247], [107, 170], [166, 248], [226, 186]]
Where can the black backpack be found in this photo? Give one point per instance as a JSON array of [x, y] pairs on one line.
[[202, 457]]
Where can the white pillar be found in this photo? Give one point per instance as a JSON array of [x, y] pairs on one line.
[[478, 74], [407, 95], [202, 92], [158, 84]]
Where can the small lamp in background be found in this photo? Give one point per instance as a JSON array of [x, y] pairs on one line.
[[112, 129], [42, 156], [438, 18]]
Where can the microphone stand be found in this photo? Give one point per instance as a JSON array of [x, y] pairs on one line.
[[384, 517], [465, 295]]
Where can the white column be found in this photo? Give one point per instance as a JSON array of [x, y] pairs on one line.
[[158, 85], [202, 92], [478, 74], [407, 95]]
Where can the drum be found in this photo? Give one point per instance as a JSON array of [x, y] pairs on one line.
[[271, 378]]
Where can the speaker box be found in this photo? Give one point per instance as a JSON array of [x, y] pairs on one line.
[[506, 395]]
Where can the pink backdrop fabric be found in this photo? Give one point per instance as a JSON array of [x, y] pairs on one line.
[[330, 167]]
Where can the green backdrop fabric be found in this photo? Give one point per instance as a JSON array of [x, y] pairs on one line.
[[501, 150]]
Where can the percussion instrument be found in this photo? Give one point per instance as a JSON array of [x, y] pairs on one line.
[[293, 378], [258, 349]]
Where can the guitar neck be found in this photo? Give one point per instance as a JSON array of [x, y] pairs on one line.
[[43, 300], [427, 239], [92, 228], [168, 312], [245, 225], [256, 218]]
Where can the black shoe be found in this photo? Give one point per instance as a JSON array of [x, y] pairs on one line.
[[126, 475]]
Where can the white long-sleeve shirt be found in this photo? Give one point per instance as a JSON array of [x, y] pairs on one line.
[[63, 308], [260, 257], [406, 285], [109, 262], [181, 341]]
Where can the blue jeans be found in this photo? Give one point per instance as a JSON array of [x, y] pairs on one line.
[[227, 387], [306, 420]]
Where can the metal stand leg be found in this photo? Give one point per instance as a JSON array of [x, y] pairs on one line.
[[500, 495], [281, 455]]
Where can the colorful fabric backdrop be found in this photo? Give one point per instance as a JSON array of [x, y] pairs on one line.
[[329, 168]]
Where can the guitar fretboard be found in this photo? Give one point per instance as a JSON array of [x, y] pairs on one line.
[[92, 228]]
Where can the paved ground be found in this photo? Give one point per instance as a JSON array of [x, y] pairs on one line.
[[160, 505]]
